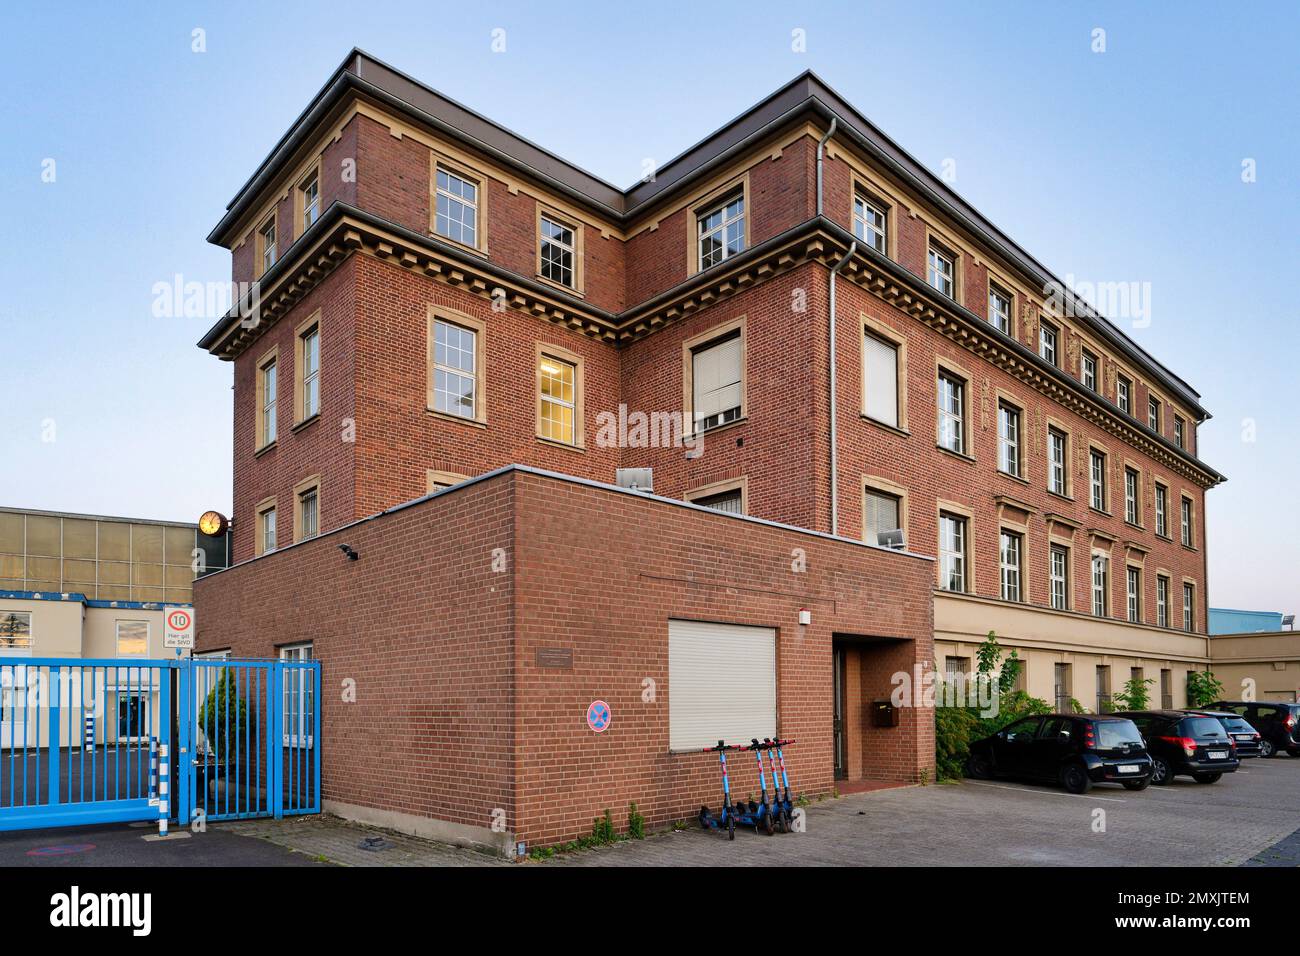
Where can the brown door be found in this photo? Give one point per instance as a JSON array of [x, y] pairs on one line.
[[841, 765]]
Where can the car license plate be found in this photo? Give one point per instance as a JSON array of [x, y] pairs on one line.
[[1245, 736], [1129, 768], [1218, 754]]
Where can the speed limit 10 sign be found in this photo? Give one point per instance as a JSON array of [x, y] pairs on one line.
[[179, 627]]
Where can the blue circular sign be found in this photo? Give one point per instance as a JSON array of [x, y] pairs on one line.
[[599, 716]]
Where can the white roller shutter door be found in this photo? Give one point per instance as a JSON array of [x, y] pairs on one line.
[[721, 684]]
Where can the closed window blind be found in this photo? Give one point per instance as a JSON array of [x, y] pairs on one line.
[[716, 377], [721, 684], [882, 380], [880, 513]]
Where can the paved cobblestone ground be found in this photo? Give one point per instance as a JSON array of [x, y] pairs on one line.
[[1249, 818]]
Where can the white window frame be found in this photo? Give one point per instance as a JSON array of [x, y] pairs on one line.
[[1088, 370], [873, 369], [731, 413], [950, 406], [1185, 520], [310, 352], [554, 269], [941, 270], [1162, 600], [311, 494], [1097, 479], [299, 699], [263, 526], [1058, 557], [267, 234], [1011, 548], [1180, 432], [1133, 593], [466, 207], [1000, 317], [1009, 444], [556, 401], [310, 190], [1189, 607], [270, 372], [1131, 492], [731, 212], [1048, 341], [444, 395], [1124, 394], [1100, 585], [866, 212], [1057, 469], [1153, 413], [953, 544], [1162, 511]]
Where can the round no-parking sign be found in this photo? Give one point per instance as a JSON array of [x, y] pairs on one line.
[[599, 716]]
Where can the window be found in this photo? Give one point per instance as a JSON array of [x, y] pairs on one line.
[[1131, 514], [456, 208], [722, 231], [15, 631], [1047, 337], [1124, 394], [737, 702], [267, 380], [881, 512], [1188, 537], [952, 401], [132, 638], [1189, 606], [1097, 479], [455, 369], [557, 251], [1010, 563], [880, 366], [1009, 439], [1162, 601], [1060, 577], [309, 373], [952, 552], [717, 381], [954, 667], [266, 528], [1167, 688], [1133, 581], [266, 240], [310, 199], [308, 512], [1057, 470], [1180, 434], [1103, 688], [731, 502], [1162, 511], [869, 221], [439, 480], [1153, 414], [299, 697], [1064, 695], [1100, 584], [1088, 370], [941, 272], [558, 395], [999, 308]]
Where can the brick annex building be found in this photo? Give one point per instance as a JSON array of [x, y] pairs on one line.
[[450, 317]]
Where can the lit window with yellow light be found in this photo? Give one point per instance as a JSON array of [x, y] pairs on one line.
[[556, 382]]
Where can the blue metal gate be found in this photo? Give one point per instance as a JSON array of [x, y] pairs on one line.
[[77, 735]]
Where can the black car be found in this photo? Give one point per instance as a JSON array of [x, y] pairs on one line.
[[1185, 744], [1278, 723], [1074, 750], [1245, 737]]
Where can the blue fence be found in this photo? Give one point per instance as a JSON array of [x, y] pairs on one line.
[[76, 738]]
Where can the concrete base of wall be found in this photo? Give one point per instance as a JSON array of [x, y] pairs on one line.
[[440, 831]]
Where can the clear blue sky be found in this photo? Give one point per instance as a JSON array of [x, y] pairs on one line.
[[1118, 166]]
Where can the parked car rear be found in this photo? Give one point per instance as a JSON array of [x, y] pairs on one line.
[[1072, 750], [1278, 723], [1245, 737], [1183, 744]]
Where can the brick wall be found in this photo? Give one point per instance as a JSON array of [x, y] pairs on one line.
[[453, 716]]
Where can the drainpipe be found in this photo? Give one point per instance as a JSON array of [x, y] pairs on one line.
[[821, 144], [835, 499]]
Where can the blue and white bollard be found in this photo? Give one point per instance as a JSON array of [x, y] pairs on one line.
[[89, 738], [153, 767], [164, 801]]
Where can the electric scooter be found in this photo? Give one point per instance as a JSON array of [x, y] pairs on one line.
[[757, 815], [727, 819], [786, 805], [780, 818]]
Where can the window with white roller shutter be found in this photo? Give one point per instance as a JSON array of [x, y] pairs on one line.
[[881, 380], [715, 375], [721, 684]]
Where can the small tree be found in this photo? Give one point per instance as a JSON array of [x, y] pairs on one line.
[[1134, 696], [226, 718], [1203, 688]]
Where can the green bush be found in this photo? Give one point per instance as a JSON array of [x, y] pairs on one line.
[[225, 716], [635, 823], [1134, 696], [1203, 688], [602, 829]]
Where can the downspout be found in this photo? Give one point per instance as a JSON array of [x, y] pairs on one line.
[[835, 498]]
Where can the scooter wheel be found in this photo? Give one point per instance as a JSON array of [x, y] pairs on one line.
[[768, 827], [731, 828], [782, 823]]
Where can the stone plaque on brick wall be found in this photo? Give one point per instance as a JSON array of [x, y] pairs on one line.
[[555, 658]]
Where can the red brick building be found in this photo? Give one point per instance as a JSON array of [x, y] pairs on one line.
[[437, 298]]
